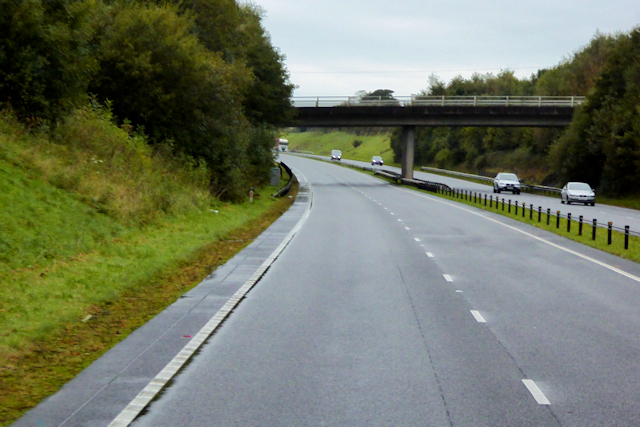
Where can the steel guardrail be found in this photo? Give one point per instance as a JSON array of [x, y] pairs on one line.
[[284, 190], [437, 101], [533, 187]]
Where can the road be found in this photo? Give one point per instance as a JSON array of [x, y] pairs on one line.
[[357, 324], [397, 308], [602, 213]]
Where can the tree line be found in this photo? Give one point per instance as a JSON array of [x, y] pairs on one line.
[[601, 146], [200, 77]]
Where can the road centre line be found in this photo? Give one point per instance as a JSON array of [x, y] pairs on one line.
[[536, 392], [429, 254], [406, 228], [416, 239], [555, 245], [447, 278], [478, 316]]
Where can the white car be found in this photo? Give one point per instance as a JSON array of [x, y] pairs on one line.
[[336, 154], [506, 182], [580, 192], [376, 160]]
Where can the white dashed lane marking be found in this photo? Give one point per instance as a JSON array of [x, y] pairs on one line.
[[478, 316], [416, 239], [429, 254], [447, 278], [535, 391]]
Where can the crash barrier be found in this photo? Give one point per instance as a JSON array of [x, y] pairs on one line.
[[528, 188], [506, 205], [284, 190], [434, 187], [421, 184]]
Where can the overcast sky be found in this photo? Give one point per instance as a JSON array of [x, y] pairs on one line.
[[338, 47]]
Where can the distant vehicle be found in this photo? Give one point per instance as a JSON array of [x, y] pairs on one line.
[[376, 160], [283, 144], [506, 182], [578, 192], [336, 154]]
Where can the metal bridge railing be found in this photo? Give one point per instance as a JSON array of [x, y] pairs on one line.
[[438, 101]]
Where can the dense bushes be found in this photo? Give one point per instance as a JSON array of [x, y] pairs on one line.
[[198, 76]]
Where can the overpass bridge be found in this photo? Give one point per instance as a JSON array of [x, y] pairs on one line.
[[416, 110]]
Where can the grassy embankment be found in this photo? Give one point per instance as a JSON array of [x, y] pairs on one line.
[[98, 233], [321, 143]]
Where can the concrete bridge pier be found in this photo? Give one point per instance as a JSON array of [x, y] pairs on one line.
[[408, 148]]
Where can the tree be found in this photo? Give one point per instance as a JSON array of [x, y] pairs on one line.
[[46, 60], [159, 76], [602, 145]]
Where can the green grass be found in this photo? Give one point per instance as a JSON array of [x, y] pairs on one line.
[[40, 224], [36, 298], [94, 222], [128, 282], [321, 143]]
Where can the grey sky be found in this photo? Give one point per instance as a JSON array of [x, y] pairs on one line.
[[338, 47]]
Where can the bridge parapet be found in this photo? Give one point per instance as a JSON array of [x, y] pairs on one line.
[[437, 101]]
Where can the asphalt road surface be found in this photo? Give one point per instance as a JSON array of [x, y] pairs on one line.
[[391, 307], [394, 308]]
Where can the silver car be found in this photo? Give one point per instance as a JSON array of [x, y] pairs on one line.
[[377, 160], [578, 192], [336, 154], [506, 182]]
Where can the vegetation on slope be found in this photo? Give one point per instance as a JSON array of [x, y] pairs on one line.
[[356, 147], [200, 76], [93, 222], [130, 133]]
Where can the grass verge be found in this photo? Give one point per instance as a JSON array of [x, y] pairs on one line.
[[355, 147], [559, 226], [58, 319]]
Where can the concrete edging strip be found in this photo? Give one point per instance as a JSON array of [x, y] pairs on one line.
[[137, 405]]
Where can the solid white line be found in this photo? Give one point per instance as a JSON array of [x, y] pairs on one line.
[[137, 405], [447, 278], [478, 316], [540, 239], [429, 254], [535, 391]]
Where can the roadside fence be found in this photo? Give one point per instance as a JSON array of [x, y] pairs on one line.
[[561, 220]]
